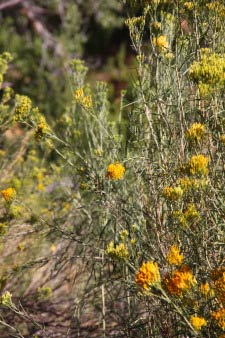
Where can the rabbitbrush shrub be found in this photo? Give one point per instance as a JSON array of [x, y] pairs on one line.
[[115, 227]]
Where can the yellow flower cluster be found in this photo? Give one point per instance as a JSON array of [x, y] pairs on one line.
[[219, 317], [156, 2], [115, 171], [5, 58], [196, 132], [169, 56], [84, 100], [205, 290], [44, 292], [78, 94], [156, 26], [42, 127], [98, 152], [8, 194], [23, 106], [161, 42], [218, 278], [174, 256], [188, 183], [148, 275], [217, 7], [189, 5], [6, 299], [208, 73], [7, 94], [123, 234], [198, 322], [191, 213], [198, 165], [119, 251], [173, 194], [180, 281], [135, 21], [188, 217], [223, 139], [3, 228]]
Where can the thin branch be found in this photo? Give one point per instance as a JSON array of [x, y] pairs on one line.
[[10, 3]]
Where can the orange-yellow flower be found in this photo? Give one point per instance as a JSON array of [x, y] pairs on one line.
[[218, 281], [180, 281], [219, 317], [115, 171], [198, 165], [8, 194], [205, 290], [148, 275], [198, 322], [174, 256], [196, 132], [161, 42]]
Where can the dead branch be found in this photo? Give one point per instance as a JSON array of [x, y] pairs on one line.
[[10, 3]]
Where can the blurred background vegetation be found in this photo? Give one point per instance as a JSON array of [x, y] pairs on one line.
[[44, 35]]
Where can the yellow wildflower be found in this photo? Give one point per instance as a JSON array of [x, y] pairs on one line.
[[180, 217], [115, 171], [98, 152], [180, 281], [23, 106], [40, 186], [86, 101], [174, 256], [42, 127], [191, 213], [189, 5], [173, 194], [218, 280], [156, 26], [3, 228], [135, 21], [6, 299], [188, 183], [78, 94], [219, 317], [217, 7], [169, 56], [198, 322], [198, 165], [148, 275], [161, 42], [205, 290], [196, 132], [123, 234], [118, 251], [44, 292], [222, 138], [208, 73], [53, 248], [21, 246], [8, 194]]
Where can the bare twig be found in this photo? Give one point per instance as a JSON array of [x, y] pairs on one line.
[[10, 3]]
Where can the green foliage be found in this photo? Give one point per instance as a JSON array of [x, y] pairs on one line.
[[43, 36]]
